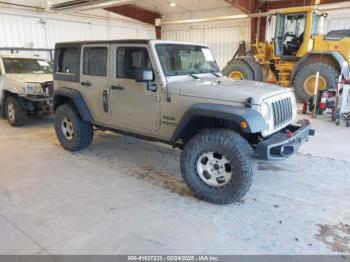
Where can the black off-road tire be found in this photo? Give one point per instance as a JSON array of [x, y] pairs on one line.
[[240, 155], [20, 114], [328, 72], [83, 131], [240, 66]]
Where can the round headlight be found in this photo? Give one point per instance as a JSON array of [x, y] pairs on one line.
[[33, 88], [266, 110]]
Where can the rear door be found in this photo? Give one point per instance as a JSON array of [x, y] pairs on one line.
[[94, 79]]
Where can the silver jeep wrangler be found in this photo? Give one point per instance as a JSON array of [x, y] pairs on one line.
[[173, 92]]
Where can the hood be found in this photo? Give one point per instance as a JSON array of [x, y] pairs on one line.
[[32, 78], [226, 89]]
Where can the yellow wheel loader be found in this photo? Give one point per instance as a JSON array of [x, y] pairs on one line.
[[295, 54]]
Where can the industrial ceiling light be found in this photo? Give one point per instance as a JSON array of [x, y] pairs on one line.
[[317, 2], [172, 4]]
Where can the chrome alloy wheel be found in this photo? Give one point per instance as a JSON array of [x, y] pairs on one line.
[[11, 112], [214, 169], [67, 128]]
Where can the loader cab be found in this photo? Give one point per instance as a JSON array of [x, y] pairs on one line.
[[289, 35], [293, 33]]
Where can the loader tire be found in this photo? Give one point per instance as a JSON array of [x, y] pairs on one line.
[[239, 70], [304, 83], [258, 74]]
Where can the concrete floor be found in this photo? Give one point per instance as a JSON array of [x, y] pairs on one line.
[[126, 196]]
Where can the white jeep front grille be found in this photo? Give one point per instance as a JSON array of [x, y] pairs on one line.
[[282, 112]]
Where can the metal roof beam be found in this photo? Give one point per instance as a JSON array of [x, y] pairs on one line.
[[137, 13]]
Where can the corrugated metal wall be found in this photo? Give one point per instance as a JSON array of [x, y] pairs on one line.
[[223, 37], [44, 30], [337, 20]]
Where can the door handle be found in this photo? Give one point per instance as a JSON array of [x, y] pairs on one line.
[[105, 96], [86, 83], [113, 87]]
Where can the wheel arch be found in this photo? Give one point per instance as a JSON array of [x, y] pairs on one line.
[[332, 58], [205, 115], [75, 98], [5, 94]]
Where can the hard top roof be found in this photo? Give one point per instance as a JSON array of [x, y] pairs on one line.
[[11, 55], [124, 41]]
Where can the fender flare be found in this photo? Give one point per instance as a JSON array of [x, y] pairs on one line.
[[77, 99], [343, 64], [255, 122]]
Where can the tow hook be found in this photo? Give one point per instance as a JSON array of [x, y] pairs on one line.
[[289, 133]]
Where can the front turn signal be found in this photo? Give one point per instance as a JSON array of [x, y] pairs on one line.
[[244, 124]]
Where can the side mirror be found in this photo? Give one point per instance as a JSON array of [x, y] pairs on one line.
[[145, 75]]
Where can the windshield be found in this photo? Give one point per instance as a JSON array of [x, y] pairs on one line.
[[179, 59], [295, 25], [26, 66]]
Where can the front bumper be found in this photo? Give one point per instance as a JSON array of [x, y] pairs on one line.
[[285, 143], [39, 98], [36, 103]]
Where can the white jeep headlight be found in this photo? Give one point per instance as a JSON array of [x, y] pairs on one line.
[[33, 88], [266, 111]]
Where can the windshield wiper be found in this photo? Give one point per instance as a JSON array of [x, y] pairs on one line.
[[194, 76], [183, 73], [211, 72]]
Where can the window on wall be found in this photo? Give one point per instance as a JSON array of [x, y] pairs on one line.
[[131, 58], [95, 61], [68, 60]]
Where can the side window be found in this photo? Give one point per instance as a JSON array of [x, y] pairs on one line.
[[95, 61], [68, 61], [131, 58]]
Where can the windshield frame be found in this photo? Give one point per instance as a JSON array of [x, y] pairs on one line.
[[43, 71], [316, 20], [185, 72]]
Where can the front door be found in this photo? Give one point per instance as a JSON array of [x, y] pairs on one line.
[[94, 80], [133, 106]]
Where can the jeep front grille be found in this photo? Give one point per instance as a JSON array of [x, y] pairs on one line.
[[282, 112]]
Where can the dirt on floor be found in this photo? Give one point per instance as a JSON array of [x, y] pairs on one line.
[[127, 196]]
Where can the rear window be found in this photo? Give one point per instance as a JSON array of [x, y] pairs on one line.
[[68, 61], [95, 61]]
